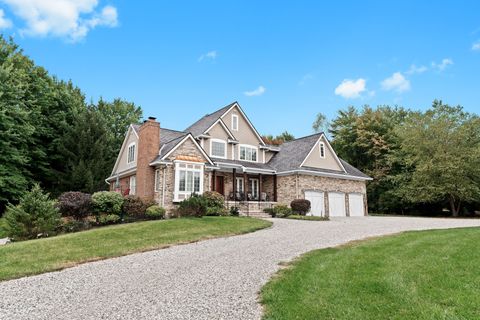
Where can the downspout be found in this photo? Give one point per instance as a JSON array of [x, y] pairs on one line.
[[163, 187]]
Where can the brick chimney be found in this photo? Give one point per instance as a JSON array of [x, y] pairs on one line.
[[148, 147]]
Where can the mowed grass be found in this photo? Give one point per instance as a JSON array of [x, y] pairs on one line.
[[42, 255], [414, 275], [311, 218]]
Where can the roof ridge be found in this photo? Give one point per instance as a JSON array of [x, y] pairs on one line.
[[172, 130], [304, 137], [182, 136]]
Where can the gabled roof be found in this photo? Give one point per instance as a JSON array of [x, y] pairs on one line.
[[293, 153], [207, 121]]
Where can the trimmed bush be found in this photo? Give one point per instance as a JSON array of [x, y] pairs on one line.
[[195, 206], [106, 219], [234, 211], [134, 207], [35, 216], [300, 206], [109, 202], [75, 204], [215, 204], [281, 211], [269, 211], [155, 212]]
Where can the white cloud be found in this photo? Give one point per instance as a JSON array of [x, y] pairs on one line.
[[257, 92], [351, 89], [4, 22], [442, 65], [414, 69], [71, 19], [397, 82], [476, 46], [212, 55]]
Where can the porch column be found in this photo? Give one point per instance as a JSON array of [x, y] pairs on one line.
[[260, 187], [275, 188], [234, 184], [245, 184], [214, 181]]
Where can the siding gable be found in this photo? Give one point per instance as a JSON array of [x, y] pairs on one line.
[[314, 160], [218, 132], [121, 163], [245, 134], [187, 148]]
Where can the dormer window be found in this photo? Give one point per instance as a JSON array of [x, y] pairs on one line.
[[322, 149], [218, 148], [234, 122], [131, 153], [248, 153]]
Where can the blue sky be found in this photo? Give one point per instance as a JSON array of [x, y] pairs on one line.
[[283, 61]]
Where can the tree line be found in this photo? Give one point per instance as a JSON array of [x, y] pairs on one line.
[[50, 134], [421, 162]]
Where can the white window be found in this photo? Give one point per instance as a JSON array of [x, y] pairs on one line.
[[322, 149], [131, 153], [239, 186], [188, 180], [218, 148], [234, 122], [248, 153], [157, 180], [133, 185]]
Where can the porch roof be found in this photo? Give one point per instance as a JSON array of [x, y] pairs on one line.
[[244, 166]]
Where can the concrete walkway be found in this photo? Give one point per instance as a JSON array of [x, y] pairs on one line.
[[213, 279]]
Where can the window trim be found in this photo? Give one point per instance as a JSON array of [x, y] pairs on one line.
[[247, 146], [236, 117], [134, 145], [237, 179], [218, 141], [132, 191], [321, 149], [176, 191]]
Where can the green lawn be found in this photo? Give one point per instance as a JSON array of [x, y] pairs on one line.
[[414, 275], [3, 234], [42, 255], [312, 218]]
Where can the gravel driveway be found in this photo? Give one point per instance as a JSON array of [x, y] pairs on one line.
[[213, 279]]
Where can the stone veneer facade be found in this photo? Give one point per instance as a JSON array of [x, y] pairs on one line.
[[294, 186]]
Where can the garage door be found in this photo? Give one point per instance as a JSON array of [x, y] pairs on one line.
[[355, 203], [316, 199], [336, 204]]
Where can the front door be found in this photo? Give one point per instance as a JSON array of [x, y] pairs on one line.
[[219, 186]]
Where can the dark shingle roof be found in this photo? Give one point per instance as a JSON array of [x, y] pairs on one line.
[[246, 164], [204, 123], [168, 140], [292, 153]]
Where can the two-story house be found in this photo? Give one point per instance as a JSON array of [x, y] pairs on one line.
[[223, 152]]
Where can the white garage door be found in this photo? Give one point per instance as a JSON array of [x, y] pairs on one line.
[[336, 204], [316, 199], [355, 203]]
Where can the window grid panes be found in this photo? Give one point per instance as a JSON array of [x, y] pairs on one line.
[[131, 154], [218, 149], [248, 153]]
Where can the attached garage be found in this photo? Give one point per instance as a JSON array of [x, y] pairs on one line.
[[356, 205], [316, 199], [336, 204]]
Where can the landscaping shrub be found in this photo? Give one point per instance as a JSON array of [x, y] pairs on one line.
[[75, 226], [270, 211], [234, 211], [155, 212], [195, 206], [75, 204], [300, 206], [282, 211], [215, 204], [106, 219], [109, 202], [135, 207], [36, 215]]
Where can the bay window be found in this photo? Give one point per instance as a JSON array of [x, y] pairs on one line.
[[188, 180]]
